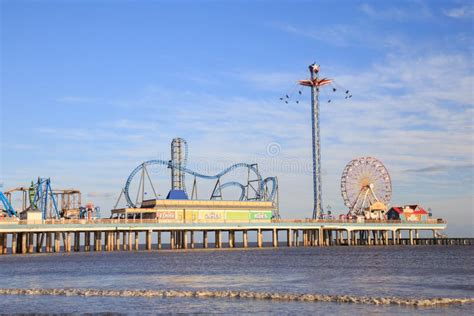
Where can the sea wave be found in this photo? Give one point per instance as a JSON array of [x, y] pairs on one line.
[[242, 295]]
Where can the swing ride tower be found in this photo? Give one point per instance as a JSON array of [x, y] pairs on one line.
[[315, 83]]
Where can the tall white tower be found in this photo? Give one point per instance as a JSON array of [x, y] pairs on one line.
[[315, 83]]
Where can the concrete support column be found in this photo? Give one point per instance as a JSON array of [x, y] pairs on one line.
[[14, 242], [48, 242], [411, 236], [117, 241], [130, 240], [5, 244], [18, 243], [137, 240], [185, 239], [305, 238], [205, 239], [124, 240], [2, 238], [321, 241], [231, 239], [87, 241], [289, 236], [99, 236], [68, 242], [192, 239], [148, 239], [77, 238], [106, 241], [260, 238], [349, 239], [31, 242], [96, 241], [172, 239], [219, 238], [246, 239], [39, 242], [275, 237], [24, 243], [297, 238], [177, 239], [158, 235], [112, 241], [57, 242], [94, 237], [417, 235], [385, 234]]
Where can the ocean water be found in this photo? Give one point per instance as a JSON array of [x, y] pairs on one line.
[[335, 280]]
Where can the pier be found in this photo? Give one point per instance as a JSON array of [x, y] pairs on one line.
[[127, 235]]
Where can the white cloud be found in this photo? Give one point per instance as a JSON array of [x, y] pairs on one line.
[[401, 13], [466, 11]]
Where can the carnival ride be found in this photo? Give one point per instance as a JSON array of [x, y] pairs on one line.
[[256, 188], [364, 182], [52, 203]]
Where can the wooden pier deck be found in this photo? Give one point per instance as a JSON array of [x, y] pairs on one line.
[[124, 235]]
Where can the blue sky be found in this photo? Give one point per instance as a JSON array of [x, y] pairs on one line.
[[90, 89]]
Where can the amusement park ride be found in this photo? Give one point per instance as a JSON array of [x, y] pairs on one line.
[[140, 183], [365, 184], [52, 204]]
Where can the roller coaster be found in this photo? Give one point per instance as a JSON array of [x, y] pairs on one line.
[[257, 187]]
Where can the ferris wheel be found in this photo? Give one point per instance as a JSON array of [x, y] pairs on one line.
[[364, 181]]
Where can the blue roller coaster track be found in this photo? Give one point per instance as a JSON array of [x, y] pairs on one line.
[[6, 204], [169, 164]]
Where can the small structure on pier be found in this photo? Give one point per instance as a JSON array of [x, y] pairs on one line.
[[411, 213], [32, 216], [376, 212], [202, 211]]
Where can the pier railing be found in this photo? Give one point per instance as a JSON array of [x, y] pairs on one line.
[[161, 221], [367, 221]]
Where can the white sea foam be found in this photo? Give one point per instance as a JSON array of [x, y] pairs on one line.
[[242, 295]]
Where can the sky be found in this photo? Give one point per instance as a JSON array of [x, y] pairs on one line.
[[91, 89]]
